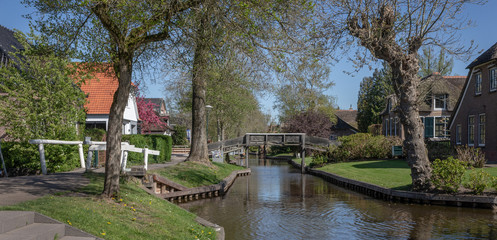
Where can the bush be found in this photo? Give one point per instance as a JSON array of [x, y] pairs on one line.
[[471, 156], [162, 143], [179, 135], [478, 181], [439, 150], [375, 129], [363, 146], [24, 158], [447, 174], [96, 134], [318, 160]]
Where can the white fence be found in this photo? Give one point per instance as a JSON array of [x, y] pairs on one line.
[[94, 145]]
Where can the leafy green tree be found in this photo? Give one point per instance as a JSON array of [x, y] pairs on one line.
[[429, 62], [373, 93], [120, 32], [43, 99]]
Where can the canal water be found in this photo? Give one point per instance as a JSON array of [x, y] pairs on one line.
[[277, 202]]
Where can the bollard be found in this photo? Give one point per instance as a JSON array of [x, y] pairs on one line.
[[41, 149]]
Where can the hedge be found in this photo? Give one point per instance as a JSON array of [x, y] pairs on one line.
[[162, 143], [24, 158]]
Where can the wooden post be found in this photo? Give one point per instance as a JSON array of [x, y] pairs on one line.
[[88, 160], [41, 149], [3, 162], [81, 156], [145, 152], [303, 154], [124, 160]]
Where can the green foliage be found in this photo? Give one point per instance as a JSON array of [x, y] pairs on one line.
[[373, 93], [179, 135], [478, 181], [162, 143], [430, 63], [439, 150], [96, 134], [318, 160], [24, 158], [472, 156], [43, 102], [448, 174]]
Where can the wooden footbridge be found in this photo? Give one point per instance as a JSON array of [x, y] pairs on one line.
[[269, 139]]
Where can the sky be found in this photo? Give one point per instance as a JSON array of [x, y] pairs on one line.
[[346, 88]]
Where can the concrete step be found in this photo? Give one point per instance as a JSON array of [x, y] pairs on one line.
[[10, 220], [77, 238], [36, 231]]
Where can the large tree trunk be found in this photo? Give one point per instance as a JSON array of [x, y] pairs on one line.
[[123, 72], [198, 149], [406, 81]]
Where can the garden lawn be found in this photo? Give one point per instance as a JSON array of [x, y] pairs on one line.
[[192, 174], [133, 215], [394, 174]]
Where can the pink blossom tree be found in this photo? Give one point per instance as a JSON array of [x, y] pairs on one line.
[[147, 114]]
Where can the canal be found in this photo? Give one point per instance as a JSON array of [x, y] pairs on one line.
[[277, 202]]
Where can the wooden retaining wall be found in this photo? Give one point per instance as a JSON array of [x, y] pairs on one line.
[[389, 194], [205, 191]]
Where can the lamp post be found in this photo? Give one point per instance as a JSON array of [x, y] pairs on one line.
[[208, 108]]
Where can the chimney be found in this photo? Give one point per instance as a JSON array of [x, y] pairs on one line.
[[351, 107]]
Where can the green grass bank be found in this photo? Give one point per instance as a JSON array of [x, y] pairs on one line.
[[133, 215], [393, 174]]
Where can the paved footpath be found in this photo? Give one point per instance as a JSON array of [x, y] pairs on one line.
[[14, 190]]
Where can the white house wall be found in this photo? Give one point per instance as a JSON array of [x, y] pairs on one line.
[[131, 111]]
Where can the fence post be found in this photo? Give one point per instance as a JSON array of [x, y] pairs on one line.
[[3, 162], [124, 160], [88, 160], [145, 152], [41, 149], [81, 155]]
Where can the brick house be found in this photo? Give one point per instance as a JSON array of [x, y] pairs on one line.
[[100, 94], [474, 121], [438, 97]]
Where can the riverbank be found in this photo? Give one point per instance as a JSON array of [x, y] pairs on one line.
[[397, 195], [135, 214]]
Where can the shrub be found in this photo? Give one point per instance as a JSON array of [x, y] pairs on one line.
[[439, 149], [22, 158], [478, 181], [96, 134], [364, 145], [318, 160], [162, 143], [374, 129], [472, 156], [447, 174], [179, 135]]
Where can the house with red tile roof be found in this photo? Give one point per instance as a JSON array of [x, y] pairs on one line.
[[100, 94]]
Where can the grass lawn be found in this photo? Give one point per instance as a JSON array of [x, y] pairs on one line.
[[393, 174], [191, 174], [133, 215]]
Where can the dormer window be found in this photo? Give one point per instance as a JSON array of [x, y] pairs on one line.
[[440, 101], [478, 83]]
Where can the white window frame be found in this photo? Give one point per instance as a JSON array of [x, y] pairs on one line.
[[480, 125], [471, 133], [478, 83], [445, 97], [492, 76]]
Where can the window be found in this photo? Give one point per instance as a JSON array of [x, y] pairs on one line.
[[458, 134], [478, 83], [481, 130], [441, 127], [471, 130], [386, 127], [493, 78], [397, 127], [440, 102], [429, 127]]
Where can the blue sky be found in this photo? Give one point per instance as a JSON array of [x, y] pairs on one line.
[[484, 34]]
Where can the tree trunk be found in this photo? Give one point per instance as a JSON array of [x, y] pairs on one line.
[[198, 149], [417, 156], [123, 71]]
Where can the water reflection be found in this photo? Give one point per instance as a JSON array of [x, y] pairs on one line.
[[277, 202]]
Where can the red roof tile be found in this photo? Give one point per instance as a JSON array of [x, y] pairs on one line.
[[100, 92]]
